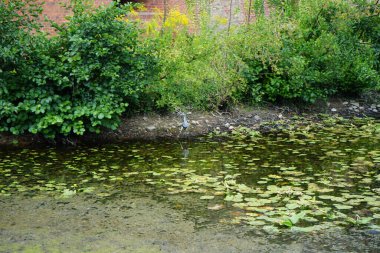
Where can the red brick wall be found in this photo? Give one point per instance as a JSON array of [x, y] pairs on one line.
[[152, 4], [218, 9], [54, 10]]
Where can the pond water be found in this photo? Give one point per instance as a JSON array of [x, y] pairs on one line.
[[302, 187]]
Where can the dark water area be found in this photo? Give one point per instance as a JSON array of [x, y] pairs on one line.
[[313, 187]]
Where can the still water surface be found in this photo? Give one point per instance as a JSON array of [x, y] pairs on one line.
[[313, 188]]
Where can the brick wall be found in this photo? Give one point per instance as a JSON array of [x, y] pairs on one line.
[[54, 10], [152, 6], [219, 9]]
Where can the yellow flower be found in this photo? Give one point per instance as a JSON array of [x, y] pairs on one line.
[[176, 19], [221, 20], [141, 8], [121, 18], [133, 13]]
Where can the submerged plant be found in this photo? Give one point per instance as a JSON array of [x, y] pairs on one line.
[[293, 220]]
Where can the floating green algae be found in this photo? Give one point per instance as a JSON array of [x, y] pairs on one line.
[[301, 175]]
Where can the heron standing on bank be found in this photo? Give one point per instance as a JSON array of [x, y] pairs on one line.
[[185, 124]]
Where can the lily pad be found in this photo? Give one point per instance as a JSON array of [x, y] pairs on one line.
[[207, 197], [68, 193], [292, 206], [343, 207], [234, 198]]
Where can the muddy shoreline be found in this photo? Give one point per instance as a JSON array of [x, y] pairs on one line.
[[152, 126], [141, 224]]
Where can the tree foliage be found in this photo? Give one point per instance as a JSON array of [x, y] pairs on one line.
[[82, 79], [308, 51]]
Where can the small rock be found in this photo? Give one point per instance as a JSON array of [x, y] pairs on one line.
[[361, 107], [355, 104], [345, 103], [145, 118], [227, 125], [257, 118], [150, 128], [195, 122], [231, 128], [280, 116], [375, 110], [333, 109], [217, 128]]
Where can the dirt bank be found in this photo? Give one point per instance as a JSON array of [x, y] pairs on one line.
[[167, 126]]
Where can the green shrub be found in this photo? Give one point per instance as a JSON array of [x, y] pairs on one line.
[[368, 26], [21, 43], [82, 79], [308, 53], [196, 69]]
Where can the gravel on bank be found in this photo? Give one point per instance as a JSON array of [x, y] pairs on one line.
[[152, 126]]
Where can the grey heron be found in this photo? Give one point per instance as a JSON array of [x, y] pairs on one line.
[[185, 124]]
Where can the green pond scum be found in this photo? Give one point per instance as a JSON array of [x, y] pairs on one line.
[[302, 176]]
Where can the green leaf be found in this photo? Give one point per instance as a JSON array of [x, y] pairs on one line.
[[100, 116]]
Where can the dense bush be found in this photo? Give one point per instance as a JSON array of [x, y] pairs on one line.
[[196, 68], [19, 49], [304, 50], [368, 26], [308, 52], [82, 79]]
